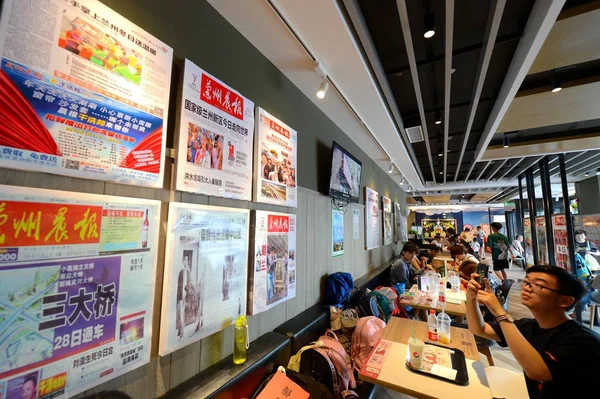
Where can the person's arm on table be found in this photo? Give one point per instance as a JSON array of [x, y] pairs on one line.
[[526, 355]]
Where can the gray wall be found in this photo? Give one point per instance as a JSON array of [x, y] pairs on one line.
[[588, 191], [196, 31]]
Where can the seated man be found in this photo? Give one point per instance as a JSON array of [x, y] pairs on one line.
[[402, 271], [554, 351], [426, 255]]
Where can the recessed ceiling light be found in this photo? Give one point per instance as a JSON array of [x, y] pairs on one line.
[[429, 25]]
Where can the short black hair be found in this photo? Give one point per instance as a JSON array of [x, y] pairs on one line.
[[580, 232], [478, 227], [497, 226], [450, 230], [437, 236], [432, 248], [517, 236], [568, 284], [474, 239], [467, 229], [457, 250], [410, 247]]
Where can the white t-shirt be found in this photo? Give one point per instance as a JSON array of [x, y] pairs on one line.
[[475, 245]]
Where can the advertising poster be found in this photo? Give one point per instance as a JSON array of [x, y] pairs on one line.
[[433, 227], [528, 240], [216, 133], [401, 224], [388, 221], [372, 219], [84, 92], [206, 263], [76, 289], [273, 273], [337, 232], [561, 242], [356, 223], [276, 161], [542, 241]]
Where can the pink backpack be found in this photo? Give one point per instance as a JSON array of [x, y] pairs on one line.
[[340, 359], [366, 336]]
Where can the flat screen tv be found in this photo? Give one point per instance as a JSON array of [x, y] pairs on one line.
[[344, 183]]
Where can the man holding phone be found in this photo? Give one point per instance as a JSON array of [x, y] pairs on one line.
[[554, 351]]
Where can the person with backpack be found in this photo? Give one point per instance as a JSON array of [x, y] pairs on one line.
[[402, 271], [499, 243]]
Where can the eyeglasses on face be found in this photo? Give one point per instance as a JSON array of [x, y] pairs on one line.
[[537, 288]]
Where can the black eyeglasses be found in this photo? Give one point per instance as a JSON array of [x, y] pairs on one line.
[[537, 288]]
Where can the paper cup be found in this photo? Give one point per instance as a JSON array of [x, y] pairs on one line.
[[415, 348]]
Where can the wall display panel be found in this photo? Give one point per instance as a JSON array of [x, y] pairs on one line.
[[433, 227], [401, 224], [388, 221], [84, 92], [561, 241], [528, 240], [337, 232], [276, 161], [542, 241], [204, 289], [76, 289], [216, 133], [372, 219]]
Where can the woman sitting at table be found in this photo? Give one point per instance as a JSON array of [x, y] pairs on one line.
[[402, 271], [465, 264]]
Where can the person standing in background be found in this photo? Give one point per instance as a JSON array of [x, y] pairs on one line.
[[481, 240], [498, 243]]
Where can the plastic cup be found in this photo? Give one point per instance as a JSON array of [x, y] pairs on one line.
[[415, 347]]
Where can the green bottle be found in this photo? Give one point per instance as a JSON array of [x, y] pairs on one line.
[[241, 340]]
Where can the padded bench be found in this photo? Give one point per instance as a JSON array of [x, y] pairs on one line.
[[226, 380]]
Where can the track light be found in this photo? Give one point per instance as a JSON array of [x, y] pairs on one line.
[[440, 155], [598, 172], [555, 82], [505, 141], [429, 25], [402, 181], [438, 118], [441, 172], [586, 174], [391, 169], [323, 88]]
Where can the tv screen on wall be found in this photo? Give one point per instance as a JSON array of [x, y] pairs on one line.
[[345, 175]]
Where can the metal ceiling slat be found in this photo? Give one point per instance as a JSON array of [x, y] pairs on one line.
[[588, 167], [497, 169], [572, 158], [491, 31], [483, 170], [512, 168], [470, 170], [529, 165], [448, 76], [580, 162], [410, 51]]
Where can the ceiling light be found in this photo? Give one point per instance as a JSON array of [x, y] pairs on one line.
[[440, 154], [402, 181], [429, 25], [438, 118], [505, 141], [555, 82], [598, 172], [441, 172], [391, 169], [586, 174], [323, 88]]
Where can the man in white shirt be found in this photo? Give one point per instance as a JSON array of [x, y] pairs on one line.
[[481, 240]]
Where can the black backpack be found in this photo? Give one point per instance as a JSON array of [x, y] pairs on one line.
[[367, 305], [314, 388]]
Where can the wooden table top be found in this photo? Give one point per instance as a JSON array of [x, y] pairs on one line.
[[399, 330]]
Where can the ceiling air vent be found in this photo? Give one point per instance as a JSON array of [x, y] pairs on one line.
[[415, 134]]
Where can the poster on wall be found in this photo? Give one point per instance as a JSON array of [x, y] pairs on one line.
[[388, 221], [337, 232], [276, 161], [216, 133], [273, 274], [84, 92], [356, 223], [528, 241], [401, 224], [542, 241], [372, 219], [561, 242], [204, 286], [433, 227], [76, 289]]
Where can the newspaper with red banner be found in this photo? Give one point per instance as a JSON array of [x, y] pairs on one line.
[[83, 92], [561, 241], [76, 289], [216, 137], [273, 270]]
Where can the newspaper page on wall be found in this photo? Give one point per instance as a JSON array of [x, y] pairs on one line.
[[401, 228], [76, 289], [273, 270], [337, 232], [204, 288], [84, 92], [276, 161], [561, 241], [388, 221], [372, 219], [216, 133]]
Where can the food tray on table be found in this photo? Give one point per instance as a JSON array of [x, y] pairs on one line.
[[443, 363]]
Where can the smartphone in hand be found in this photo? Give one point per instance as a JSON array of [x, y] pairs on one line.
[[482, 271]]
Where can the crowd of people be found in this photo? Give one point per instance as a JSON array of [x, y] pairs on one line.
[[204, 148], [276, 171]]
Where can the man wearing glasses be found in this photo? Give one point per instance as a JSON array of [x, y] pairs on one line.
[[555, 352]]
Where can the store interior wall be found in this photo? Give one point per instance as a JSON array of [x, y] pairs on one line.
[[588, 191], [196, 31]]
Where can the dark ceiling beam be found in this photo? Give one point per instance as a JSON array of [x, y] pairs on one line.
[[491, 31], [403, 13], [465, 50], [526, 166], [541, 20], [497, 169], [448, 76]]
